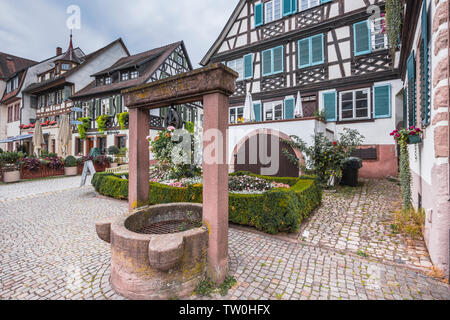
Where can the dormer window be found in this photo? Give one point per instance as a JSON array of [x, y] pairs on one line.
[[108, 80], [12, 84], [100, 81], [124, 76], [134, 75], [65, 66]]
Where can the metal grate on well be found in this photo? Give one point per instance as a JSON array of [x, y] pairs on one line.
[[168, 227]]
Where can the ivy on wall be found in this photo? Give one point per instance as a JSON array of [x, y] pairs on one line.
[[394, 13]]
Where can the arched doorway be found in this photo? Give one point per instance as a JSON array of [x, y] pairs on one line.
[[261, 146]]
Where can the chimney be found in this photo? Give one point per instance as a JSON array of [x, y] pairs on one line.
[[58, 51]]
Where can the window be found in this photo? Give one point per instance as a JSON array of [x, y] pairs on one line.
[[59, 97], [17, 112], [311, 51], [15, 83], [355, 104], [10, 114], [65, 66], [273, 111], [8, 87], [51, 99], [100, 81], [308, 4], [108, 80], [289, 7], [134, 75], [79, 146], [121, 142], [378, 34], [238, 66], [236, 113], [272, 61], [124, 76], [272, 10]]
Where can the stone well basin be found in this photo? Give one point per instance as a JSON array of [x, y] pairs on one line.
[[157, 252]]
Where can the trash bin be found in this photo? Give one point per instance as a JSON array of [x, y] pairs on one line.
[[350, 170]]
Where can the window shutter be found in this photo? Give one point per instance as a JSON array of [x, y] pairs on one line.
[[317, 50], [405, 107], [289, 106], [257, 109], [294, 6], [411, 66], [119, 104], [98, 111], [425, 79], [248, 66], [67, 92], [382, 101], [361, 37], [112, 109], [287, 7], [259, 20], [303, 53], [91, 110], [267, 62], [278, 59], [324, 1], [329, 104]]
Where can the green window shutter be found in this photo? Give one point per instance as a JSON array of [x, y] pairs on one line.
[[303, 53], [329, 104], [98, 111], [405, 107], [248, 66], [289, 107], [382, 101], [119, 108], [287, 7], [258, 111], [425, 94], [278, 59], [411, 66], [91, 110], [361, 37], [325, 1], [317, 53], [259, 17], [267, 62], [294, 6]]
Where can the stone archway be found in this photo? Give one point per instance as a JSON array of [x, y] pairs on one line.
[[243, 149]]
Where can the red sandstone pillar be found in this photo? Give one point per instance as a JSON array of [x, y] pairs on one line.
[[215, 187], [139, 158]]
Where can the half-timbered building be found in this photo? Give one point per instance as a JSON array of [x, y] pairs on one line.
[[335, 53], [102, 97]]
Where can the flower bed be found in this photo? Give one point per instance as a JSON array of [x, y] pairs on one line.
[[272, 211], [34, 168]]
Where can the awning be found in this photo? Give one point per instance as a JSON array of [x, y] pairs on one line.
[[6, 141], [18, 138]]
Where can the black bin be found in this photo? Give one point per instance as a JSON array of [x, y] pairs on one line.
[[350, 170]]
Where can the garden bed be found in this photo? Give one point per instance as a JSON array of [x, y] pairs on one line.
[[42, 172], [273, 211]]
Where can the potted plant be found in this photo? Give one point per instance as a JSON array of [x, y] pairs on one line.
[[70, 166], [31, 168], [10, 163], [101, 163], [103, 122], [114, 151], [86, 124], [123, 119]]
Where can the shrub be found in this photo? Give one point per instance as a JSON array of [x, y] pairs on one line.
[[102, 160], [277, 210], [55, 163], [113, 150], [70, 161], [32, 164], [10, 161]]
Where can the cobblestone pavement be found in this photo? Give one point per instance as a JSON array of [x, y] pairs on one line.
[[49, 250], [25, 189], [358, 220]]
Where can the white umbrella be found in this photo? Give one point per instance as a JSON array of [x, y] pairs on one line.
[[38, 138], [299, 106], [249, 112], [64, 135]]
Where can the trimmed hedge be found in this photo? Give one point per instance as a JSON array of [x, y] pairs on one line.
[[275, 211]]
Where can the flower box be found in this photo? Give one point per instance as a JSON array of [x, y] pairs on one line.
[[414, 139], [11, 176]]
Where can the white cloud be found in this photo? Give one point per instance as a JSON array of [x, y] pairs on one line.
[[33, 29]]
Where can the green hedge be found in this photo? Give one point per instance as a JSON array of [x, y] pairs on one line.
[[277, 210]]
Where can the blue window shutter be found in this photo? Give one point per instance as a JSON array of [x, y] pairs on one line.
[[361, 35], [411, 66], [425, 81], [294, 6], [317, 53], [289, 107], [304, 58], [259, 16], [330, 106], [248, 66], [287, 7], [405, 107], [382, 101], [278, 57], [325, 1], [267, 62], [258, 111]]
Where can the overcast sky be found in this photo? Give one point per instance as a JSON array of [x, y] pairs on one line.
[[34, 28]]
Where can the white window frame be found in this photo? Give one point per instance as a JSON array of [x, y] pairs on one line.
[[108, 80], [267, 106], [374, 32], [235, 109], [122, 76], [311, 4], [64, 68], [134, 74], [369, 105], [270, 17], [233, 64]]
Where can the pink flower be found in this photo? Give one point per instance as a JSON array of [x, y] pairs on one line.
[[171, 128]]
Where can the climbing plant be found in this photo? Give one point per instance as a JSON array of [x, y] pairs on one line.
[[394, 12], [86, 124]]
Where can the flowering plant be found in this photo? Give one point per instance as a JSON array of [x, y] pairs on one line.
[[403, 134]]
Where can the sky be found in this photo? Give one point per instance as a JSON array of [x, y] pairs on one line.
[[33, 29]]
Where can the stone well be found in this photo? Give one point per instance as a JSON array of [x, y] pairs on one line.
[[157, 252]]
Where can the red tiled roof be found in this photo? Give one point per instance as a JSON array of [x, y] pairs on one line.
[[10, 64]]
